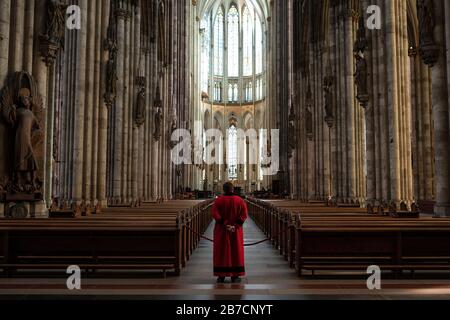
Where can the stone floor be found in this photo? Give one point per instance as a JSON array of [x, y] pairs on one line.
[[268, 278]]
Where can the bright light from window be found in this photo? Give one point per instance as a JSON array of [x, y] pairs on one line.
[[232, 153], [206, 45], [258, 46], [237, 55], [248, 42], [233, 42], [218, 43]]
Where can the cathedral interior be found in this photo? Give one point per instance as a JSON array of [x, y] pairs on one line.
[[325, 115]]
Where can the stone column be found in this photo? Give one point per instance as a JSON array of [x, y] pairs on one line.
[[17, 36], [146, 130], [97, 102], [126, 121], [378, 114], [383, 115], [5, 17], [80, 102], [350, 107], [392, 102], [447, 42], [427, 127], [29, 36], [441, 114], [137, 142], [342, 171], [370, 139], [103, 113], [40, 74], [89, 102], [119, 108], [371, 181]]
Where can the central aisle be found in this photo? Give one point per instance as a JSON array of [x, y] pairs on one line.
[[263, 263]]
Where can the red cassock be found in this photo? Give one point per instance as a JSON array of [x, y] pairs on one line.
[[229, 246]]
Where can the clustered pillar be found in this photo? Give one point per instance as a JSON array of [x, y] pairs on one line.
[[392, 149], [96, 151]]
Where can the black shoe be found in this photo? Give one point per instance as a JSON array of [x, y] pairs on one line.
[[236, 280], [221, 280]]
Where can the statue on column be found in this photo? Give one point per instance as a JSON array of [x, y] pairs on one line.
[[328, 98], [53, 38], [141, 103], [173, 128], [309, 124], [110, 45], [158, 118], [158, 124], [308, 114], [429, 50], [292, 141], [426, 22], [111, 79], [140, 107], [25, 164], [361, 72], [162, 33], [21, 107], [361, 78]]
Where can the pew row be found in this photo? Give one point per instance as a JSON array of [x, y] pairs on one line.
[[322, 238], [119, 240]]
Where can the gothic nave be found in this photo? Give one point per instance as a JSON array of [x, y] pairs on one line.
[[121, 120]]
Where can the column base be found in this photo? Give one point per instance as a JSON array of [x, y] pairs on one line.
[[24, 210], [40, 210], [367, 203]]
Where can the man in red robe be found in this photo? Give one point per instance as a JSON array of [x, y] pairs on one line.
[[230, 212]]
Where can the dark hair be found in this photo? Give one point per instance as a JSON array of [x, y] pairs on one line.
[[228, 188]]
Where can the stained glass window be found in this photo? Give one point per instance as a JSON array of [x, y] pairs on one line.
[[231, 49], [258, 89], [218, 43], [233, 42], [206, 45], [258, 46], [217, 91], [247, 38]]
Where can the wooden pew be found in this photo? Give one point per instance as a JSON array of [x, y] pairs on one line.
[[119, 239], [314, 237], [193, 223], [354, 244], [92, 245]]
